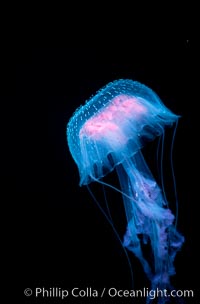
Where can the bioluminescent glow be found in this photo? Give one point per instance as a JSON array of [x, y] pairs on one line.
[[108, 133]]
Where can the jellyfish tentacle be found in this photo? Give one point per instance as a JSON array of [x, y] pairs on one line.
[[161, 169], [173, 174], [110, 221], [106, 202], [158, 159], [131, 240]]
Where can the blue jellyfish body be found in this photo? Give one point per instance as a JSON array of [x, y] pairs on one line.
[[108, 133]]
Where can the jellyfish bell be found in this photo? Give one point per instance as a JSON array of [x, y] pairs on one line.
[[108, 133], [117, 121]]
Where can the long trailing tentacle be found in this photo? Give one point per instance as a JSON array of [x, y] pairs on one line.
[[107, 216], [173, 174]]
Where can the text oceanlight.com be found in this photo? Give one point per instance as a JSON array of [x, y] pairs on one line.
[[112, 292]]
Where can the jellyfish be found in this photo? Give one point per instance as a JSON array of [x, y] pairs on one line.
[[108, 134]]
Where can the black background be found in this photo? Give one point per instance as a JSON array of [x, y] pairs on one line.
[[56, 235]]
